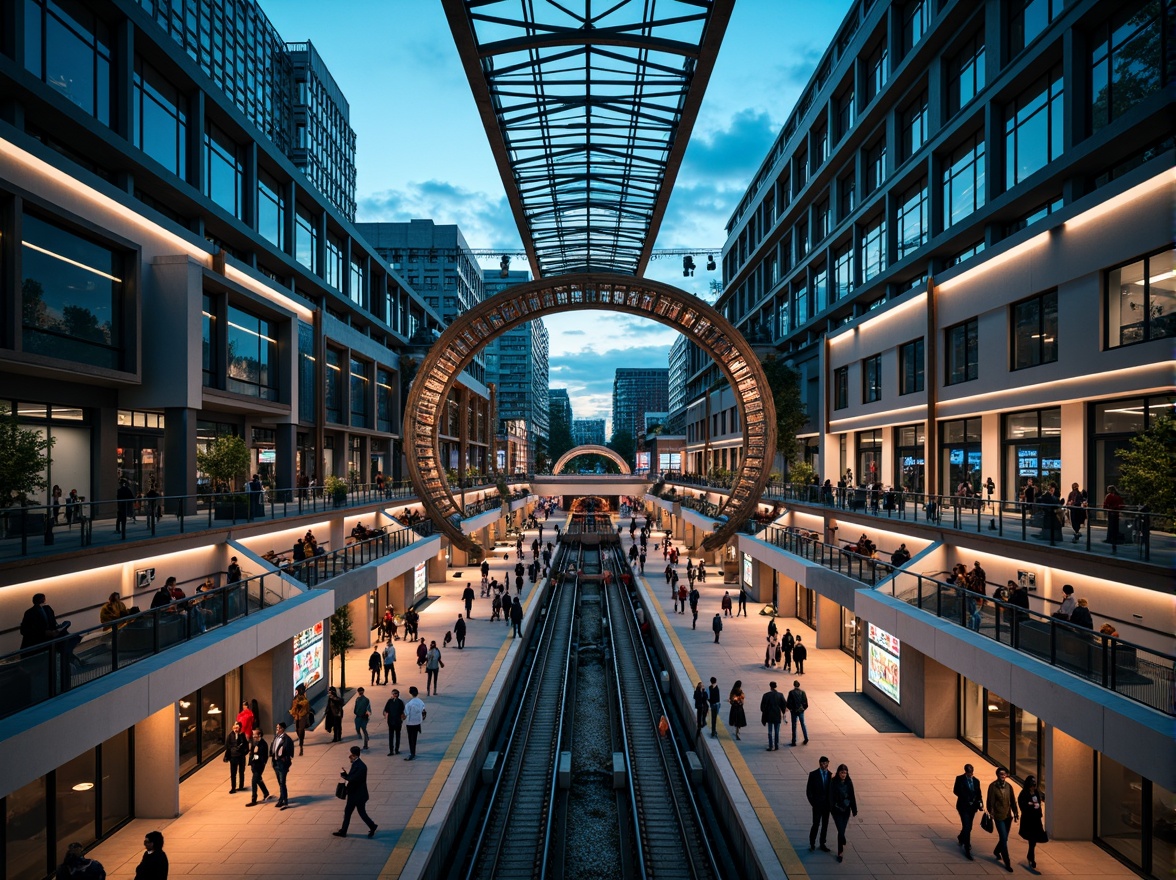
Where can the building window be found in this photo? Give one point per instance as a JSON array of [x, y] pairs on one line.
[[963, 352], [1141, 300], [963, 182], [359, 393], [68, 47], [210, 343], [869, 457], [846, 113], [1029, 18], [912, 219], [800, 238], [306, 240], [1126, 63], [306, 372], [819, 141], [916, 21], [223, 170], [967, 253], [965, 74], [1033, 129], [334, 389], [800, 304], [1033, 450], [333, 271], [271, 210], [876, 165], [960, 447], [874, 249], [72, 296], [820, 221], [820, 287], [913, 124], [356, 289], [841, 388], [872, 379], [846, 196], [910, 367], [843, 272], [877, 70], [1115, 424], [1035, 330], [385, 401], [159, 125], [910, 457], [253, 355]]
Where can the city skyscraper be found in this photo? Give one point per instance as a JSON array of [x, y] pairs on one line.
[[636, 392], [588, 432]]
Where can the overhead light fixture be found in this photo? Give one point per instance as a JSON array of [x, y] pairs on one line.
[[83, 786], [710, 263]]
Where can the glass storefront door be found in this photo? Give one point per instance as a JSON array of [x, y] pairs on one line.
[[1033, 450], [909, 461], [961, 459]]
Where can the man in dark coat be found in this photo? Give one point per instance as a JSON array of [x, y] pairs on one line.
[[39, 624], [467, 596], [717, 626], [772, 707], [459, 631], [799, 655], [394, 716], [126, 503], [516, 618], [258, 758], [968, 802], [282, 756], [817, 792], [357, 794], [236, 750]]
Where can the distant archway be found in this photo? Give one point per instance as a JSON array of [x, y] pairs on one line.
[[668, 305], [591, 449]]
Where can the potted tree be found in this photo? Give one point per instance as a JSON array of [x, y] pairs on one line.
[[336, 489], [24, 458], [225, 461]]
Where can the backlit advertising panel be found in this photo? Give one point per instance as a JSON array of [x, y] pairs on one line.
[[883, 666], [308, 656]]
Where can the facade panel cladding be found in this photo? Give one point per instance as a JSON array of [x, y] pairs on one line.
[[636, 392]]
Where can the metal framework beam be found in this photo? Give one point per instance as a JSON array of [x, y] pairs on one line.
[[588, 110]]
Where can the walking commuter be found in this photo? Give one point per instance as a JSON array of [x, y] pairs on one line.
[[787, 645], [717, 626], [799, 655], [713, 697], [742, 602], [258, 758], [361, 708], [153, 865], [375, 664], [701, 705], [357, 794], [394, 716], [1032, 827], [433, 664], [335, 714], [737, 717], [1002, 807], [817, 793], [459, 632], [772, 708], [468, 597], [422, 653], [300, 712], [842, 803], [236, 751], [726, 603], [516, 618], [390, 662], [798, 705], [414, 717], [770, 652], [694, 597], [968, 803], [281, 756]]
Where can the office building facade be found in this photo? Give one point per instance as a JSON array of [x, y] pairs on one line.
[[588, 432], [636, 392]]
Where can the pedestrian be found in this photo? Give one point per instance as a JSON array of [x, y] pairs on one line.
[[694, 597], [236, 751], [300, 712], [1068, 604], [496, 606], [968, 803], [459, 632], [641, 560], [422, 653], [1081, 615], [1002, 807], [798, 705], [817, 792], [153, 865], [335, 713], [742, 602], [433, 665], [394, 716], [361, 708], [1031, 826], [390, 662], [717, 626], [1077, 503], [771, 651], [713, 697], [414, 717], [375, 664], [258, 758], [516, 618], [357, 794], [727, 603], [683, 595], [126, 501], [702, 571], [772, 708], [1112, 504], [737, 717], [468, 597], [799, 655], [282, 756], [842, 803], [233, 574], [701, 705], [76, 866]]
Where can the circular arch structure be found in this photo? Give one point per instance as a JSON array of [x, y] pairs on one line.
[[668, 305], [591, 449]]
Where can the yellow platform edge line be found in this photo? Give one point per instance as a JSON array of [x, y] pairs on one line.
[[777, 837]]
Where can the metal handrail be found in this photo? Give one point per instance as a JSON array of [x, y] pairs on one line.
[[314, 570]]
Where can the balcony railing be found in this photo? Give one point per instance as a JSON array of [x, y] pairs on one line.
[[36, 674], [317, 569]]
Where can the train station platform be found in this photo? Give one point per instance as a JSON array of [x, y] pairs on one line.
[[906, 824]]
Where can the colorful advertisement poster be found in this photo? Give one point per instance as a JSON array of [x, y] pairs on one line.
[[420, 582], [747, 570], [642, 462], [883, 666], [308, 656]]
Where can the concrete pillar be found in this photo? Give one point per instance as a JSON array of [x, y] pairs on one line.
[[361, 621], [157, 765], [786, 589], [338, 533], [437, 567], [286, 441], [257, 684], [940, 695], [763, 583], [1069, 786], [828, 623]]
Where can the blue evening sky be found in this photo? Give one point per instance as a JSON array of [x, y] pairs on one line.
[[422, 151]]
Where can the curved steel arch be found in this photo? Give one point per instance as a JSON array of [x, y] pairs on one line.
[[590, 449], [696, 320]]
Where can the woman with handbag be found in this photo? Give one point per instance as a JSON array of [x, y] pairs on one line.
[[1032, 827], [842, 802], [737, 717]]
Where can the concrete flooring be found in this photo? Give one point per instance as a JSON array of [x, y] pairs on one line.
[[906, 824]]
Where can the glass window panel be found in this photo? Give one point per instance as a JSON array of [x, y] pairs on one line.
[[116, 781], [271, 210], [963, 182], [1126, 61], [159, 124], [306, 240], [1120, 809], [252, 355], [224, 172], [1120, 417], [998, 711], [334, 401], [1021, 425], [1126, 302], [874, 249], [189, 721], [77, 791], [1163, 811], [972, 713], [1161, 295], [25, 832], [1025, 734], [912, 220], [212, 719]]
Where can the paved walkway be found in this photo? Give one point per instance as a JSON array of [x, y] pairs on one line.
[[906, 824]]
